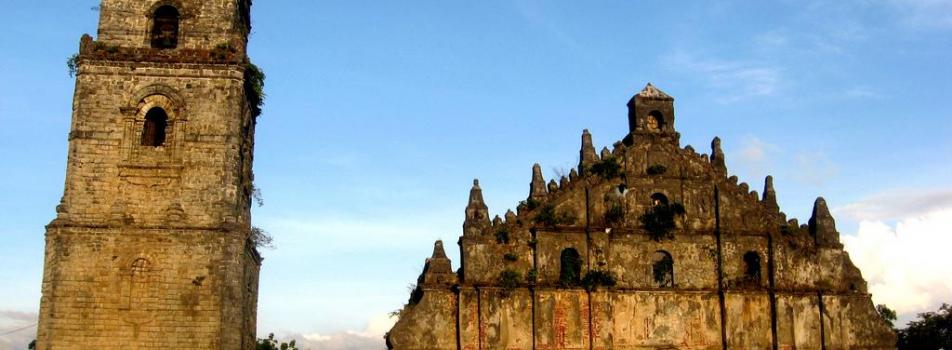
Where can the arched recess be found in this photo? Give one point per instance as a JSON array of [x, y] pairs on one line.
[[752, 267], [136, 277], [570, 267], [655, 121], [662, 269], [659, 199], [154, 128], [166, 26], [155, 121]]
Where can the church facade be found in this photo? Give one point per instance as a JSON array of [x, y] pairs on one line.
[[648, 245], [151, 245]]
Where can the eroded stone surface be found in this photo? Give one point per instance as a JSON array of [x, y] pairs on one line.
[[150, 248], [740, 275]]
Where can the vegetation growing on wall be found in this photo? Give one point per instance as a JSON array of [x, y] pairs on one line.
[[598, 278], [606, 168], [656, 169], [550, 217], [260, 238], [254, 88], [614, 215], [502, 236], [72, 64], [659, 220], [508, 280]]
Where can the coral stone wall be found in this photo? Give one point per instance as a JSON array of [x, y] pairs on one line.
[[672, 253]]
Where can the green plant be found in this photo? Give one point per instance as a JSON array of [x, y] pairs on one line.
[[223, 51], [508, 280], [532, 275], [657, 169], [598, 278], [72, 64], [260, 238], [254, 88], [785, 230], [614, 215], [511, 257], [502, 236], [272, 344], [886, 313], [550, 217], [607, 168], [659, 220]]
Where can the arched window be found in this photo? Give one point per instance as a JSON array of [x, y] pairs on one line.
[[136, 284], [663, 269], [153, 131], [165, 27], [655, 121], [659, 199], [752, 263], [570, 273]]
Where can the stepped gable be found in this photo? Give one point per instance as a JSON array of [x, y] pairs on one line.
[[646, 245]]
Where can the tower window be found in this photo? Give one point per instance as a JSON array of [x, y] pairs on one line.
[[571, 268], [663, 269], [165, 28], [752, 270], [153, 131], [655, 121]]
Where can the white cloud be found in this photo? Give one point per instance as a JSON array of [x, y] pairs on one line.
[[896, 204], [906, 263], [733, 80], [367, 339]]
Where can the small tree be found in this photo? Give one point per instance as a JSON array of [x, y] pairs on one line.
[[931, 331], [886, 313], [272, 344]]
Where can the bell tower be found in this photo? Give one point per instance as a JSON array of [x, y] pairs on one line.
[[151, 247], [651, 116]]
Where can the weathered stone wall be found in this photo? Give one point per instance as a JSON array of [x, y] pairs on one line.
[[204, 23], [150, 247], [741, 276]]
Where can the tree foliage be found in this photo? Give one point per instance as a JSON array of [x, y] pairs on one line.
[[931, 331], [886, 313], [273, 344]]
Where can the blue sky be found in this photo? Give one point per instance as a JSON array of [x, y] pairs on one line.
[[380, 114]]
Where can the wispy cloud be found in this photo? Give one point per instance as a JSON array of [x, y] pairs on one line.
[[17, 329], [754, 156], [733, 80], [924, 14], [814, 168]]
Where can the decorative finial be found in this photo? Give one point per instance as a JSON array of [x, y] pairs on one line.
[[477, 213], [770, 196], [717, 157], [537, 190], [822, 226], [587, 154]]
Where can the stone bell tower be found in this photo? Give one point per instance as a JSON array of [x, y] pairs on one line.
[[151, 246]]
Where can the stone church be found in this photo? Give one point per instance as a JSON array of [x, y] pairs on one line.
[[648, 245], [150, 247]]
